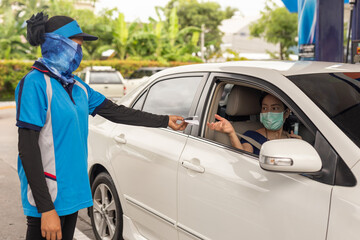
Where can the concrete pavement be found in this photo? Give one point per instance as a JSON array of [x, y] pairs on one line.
[[13, 223]]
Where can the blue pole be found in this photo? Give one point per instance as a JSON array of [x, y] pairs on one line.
[[355, 33], [356, 22], [321, 28], [329, 31]]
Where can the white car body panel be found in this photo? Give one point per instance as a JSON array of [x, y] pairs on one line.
[[344, 218], [130, 231], [249, 203], [152, 190], [163, 200]]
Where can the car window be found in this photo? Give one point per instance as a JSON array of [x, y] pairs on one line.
[[105, 77], [244, 116], [338, 95], [139, 103], [172, 97]]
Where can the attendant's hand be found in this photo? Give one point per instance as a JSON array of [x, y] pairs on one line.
[[51, 225], [176, 126], [292, 135], [222, 125]]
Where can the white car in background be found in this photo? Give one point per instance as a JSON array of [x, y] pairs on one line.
[[140, 76], [105, 80], [156, 183]]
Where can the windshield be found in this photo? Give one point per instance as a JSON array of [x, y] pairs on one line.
[[105, 77], [338, 95]]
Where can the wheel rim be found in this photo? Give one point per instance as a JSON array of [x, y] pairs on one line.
[[104, 212]]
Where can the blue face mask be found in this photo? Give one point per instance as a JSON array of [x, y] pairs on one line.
[[61, 56], [272, 120]]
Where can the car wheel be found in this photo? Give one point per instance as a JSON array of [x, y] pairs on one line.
[[106, 213]]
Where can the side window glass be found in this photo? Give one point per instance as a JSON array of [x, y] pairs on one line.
[[139, 103], [172, 97], [240, 106]]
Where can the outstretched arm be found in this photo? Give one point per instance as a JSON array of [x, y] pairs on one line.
[[121, 114], [225, 126]]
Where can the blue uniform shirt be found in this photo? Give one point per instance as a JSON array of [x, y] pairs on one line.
[[43, 104]]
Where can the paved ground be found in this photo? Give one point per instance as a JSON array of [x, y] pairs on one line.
[[12, 224]]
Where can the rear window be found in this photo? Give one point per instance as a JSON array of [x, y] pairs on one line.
[[110, 77], [338, 95]]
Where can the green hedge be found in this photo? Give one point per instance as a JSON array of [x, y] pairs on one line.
[[12, 71]]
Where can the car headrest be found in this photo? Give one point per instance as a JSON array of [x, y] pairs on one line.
[[243, 101]]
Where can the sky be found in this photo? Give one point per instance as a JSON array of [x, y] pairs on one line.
[[143, 9]]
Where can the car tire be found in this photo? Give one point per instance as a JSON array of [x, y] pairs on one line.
[[106, 213]]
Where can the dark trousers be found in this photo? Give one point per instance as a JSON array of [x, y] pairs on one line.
[[68, 224]]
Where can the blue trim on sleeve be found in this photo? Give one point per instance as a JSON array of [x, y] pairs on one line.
[[68, 30], [99, 107], [28, 125], [19, 96]]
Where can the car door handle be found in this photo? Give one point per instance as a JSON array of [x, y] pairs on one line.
[[193, 167], [106, 87], [120, 139]]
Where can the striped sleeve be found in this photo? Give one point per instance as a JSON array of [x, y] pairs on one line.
[[31, 101]]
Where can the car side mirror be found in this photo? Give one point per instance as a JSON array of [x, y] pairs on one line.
[[289, 155]]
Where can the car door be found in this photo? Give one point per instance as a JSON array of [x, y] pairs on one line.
[[224, 194], [145, 159]]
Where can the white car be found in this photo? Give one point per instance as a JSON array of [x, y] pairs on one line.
[[156, 183], [105, 80]]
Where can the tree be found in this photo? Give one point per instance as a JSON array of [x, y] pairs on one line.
[[97, 25], [193, 13], [13, 30], [12, 41], [142, 42], [277, 25], [180, 43], [162, 40], [156, 40]]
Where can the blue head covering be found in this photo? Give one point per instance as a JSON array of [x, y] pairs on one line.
[[60, 54]]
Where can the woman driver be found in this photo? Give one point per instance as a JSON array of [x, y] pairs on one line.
[[273, 115]]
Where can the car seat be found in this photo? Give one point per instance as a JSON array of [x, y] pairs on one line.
[[242, 101]]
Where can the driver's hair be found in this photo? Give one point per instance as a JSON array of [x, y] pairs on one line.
[[264, 94]]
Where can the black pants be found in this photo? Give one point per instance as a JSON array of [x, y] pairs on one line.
[[68, 224]]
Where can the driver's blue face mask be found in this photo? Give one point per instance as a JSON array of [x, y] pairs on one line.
[[61, 56]]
